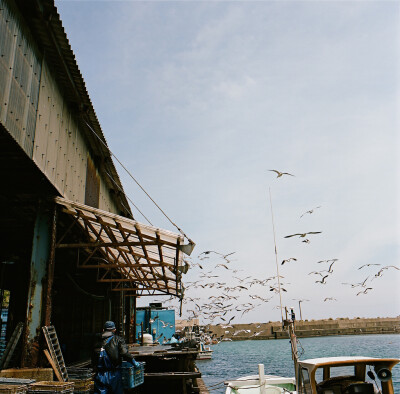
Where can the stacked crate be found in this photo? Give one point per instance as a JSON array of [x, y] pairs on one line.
[[14, 385], [83, 379], [51, 387], [13, 389]]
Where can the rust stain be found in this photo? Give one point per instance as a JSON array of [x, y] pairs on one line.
[[92, 186], [30, 350]]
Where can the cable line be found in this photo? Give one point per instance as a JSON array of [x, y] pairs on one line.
[[122, 190], [144, 191]]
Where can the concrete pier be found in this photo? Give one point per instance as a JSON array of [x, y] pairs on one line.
[[312, 328]]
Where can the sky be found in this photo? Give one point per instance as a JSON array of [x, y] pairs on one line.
[[201, 99]]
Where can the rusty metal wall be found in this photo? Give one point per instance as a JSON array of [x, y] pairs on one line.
[[20, 67], [92, 191]]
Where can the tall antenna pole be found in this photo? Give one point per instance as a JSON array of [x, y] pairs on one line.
[[276, 255]]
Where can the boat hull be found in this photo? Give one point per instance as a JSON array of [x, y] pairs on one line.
[[204, 355], [252, 385]]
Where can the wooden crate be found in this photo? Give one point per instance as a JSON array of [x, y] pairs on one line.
[[51, 387], [13, 389], [39, 374]]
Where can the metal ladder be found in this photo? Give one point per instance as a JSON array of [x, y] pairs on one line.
[[55, 350], [11, 345]]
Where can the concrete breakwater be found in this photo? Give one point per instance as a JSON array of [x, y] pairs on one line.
[[305, 328]]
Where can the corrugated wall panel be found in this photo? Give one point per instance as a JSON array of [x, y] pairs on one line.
[[48, 92], [35, 112], [8, 39], [60, 149], [61, 165], [41, 128], [19, 78], [105, 203]]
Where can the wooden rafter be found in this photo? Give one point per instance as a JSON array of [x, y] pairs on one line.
[[136, 258]]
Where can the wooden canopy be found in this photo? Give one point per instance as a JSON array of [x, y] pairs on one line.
[[133, 257]]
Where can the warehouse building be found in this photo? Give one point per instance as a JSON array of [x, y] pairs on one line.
[[71, 253]]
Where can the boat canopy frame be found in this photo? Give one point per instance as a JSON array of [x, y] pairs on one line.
[[137, 259]]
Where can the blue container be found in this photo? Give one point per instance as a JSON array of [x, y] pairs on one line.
[[159, 322], [131, 376]]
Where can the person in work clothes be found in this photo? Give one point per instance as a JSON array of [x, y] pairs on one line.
[[108, 353]]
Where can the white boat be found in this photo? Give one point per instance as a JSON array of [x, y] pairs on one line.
[[205, 352], [327, 375], [261, 384]]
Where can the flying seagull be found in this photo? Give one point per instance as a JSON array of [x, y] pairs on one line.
[[322, 281], [327, 261], [222, 265], [310, 211], [303, 235], [366, 265], [288, 260], [364, 291], [329, 270], [279, 174]]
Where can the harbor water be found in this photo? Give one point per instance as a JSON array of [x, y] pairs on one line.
[[239, 358]]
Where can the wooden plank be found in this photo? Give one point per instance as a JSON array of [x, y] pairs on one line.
[[53, 365], [202, 387], [37, 374], [105, 244], [55, 350]]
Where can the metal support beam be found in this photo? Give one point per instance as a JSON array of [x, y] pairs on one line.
[[38, 270], [50, 270]]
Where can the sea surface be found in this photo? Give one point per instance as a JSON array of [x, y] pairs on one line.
[[239, 358]]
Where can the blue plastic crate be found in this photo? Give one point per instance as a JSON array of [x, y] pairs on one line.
[[131, 376]]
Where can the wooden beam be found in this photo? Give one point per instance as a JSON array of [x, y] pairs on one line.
[[134, 280], [124, 265], [53, 365], [104, 244]]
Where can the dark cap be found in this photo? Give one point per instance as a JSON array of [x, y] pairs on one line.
[[109, 325]]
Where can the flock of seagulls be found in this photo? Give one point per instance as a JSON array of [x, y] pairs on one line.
[[227, 300]]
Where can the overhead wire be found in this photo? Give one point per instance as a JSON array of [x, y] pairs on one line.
[[140, 186], [120, 188]]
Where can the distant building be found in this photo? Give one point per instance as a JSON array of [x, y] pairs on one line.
[[181, 324]]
